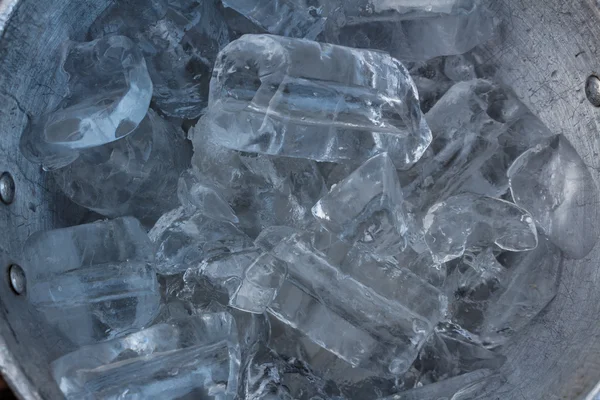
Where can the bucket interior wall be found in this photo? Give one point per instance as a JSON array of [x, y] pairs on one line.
[[546, 51]]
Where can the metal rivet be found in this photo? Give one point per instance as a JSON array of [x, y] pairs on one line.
[[7, 188], [592, 90], [17, 279]]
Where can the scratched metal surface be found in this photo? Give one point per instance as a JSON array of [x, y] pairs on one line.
[[546, 51]]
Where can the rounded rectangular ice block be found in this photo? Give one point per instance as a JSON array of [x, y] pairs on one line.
[[186, 356], [109, 91], [100, 284], [299, 98]]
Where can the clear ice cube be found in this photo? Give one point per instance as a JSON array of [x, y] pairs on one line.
[[422, 265], [271, 376], [262, 190], [180, 40], [445, 356], [194, 194], [430, 80], [333, 375], [342, 315], [251, 278], [109, 91], [195, 357], [122, 296], [473, 271], [184, 239], [412, 30], [135, 175], [446, 389], [271, 236], [469, 221], [292, 18], [366, 208], [285, 189], [99, 285], [466, 124], [553, 183], [532, 284], [298, 98], [393, 282]]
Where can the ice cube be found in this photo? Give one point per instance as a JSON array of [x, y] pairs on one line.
[[271, 236], [285, 189], [133, 176], [423, 266], [272, 377], [262, 190], [393, 282], [194, 194], [184, 239], [466, 124], [109, 91], [318, 300], [445, 356], [413, 30], [475, 270], [446, 388], [366, 208], [292, 18], [553, 183], [101, 242], [251, 278], [470, 221], [298, 98], [532, 284], [473, 285], [334, 173], [122, 296], [179, 39], [430, 80], [197, 356], [100, 284], [337, 376]]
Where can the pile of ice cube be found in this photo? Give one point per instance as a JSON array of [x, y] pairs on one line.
[[325, 239]]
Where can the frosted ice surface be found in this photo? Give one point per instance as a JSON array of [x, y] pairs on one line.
[[471, 221], [109, 92], [298, 98], [197, 356], [553, 183]]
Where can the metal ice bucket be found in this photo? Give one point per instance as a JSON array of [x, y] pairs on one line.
[[547, 51]]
